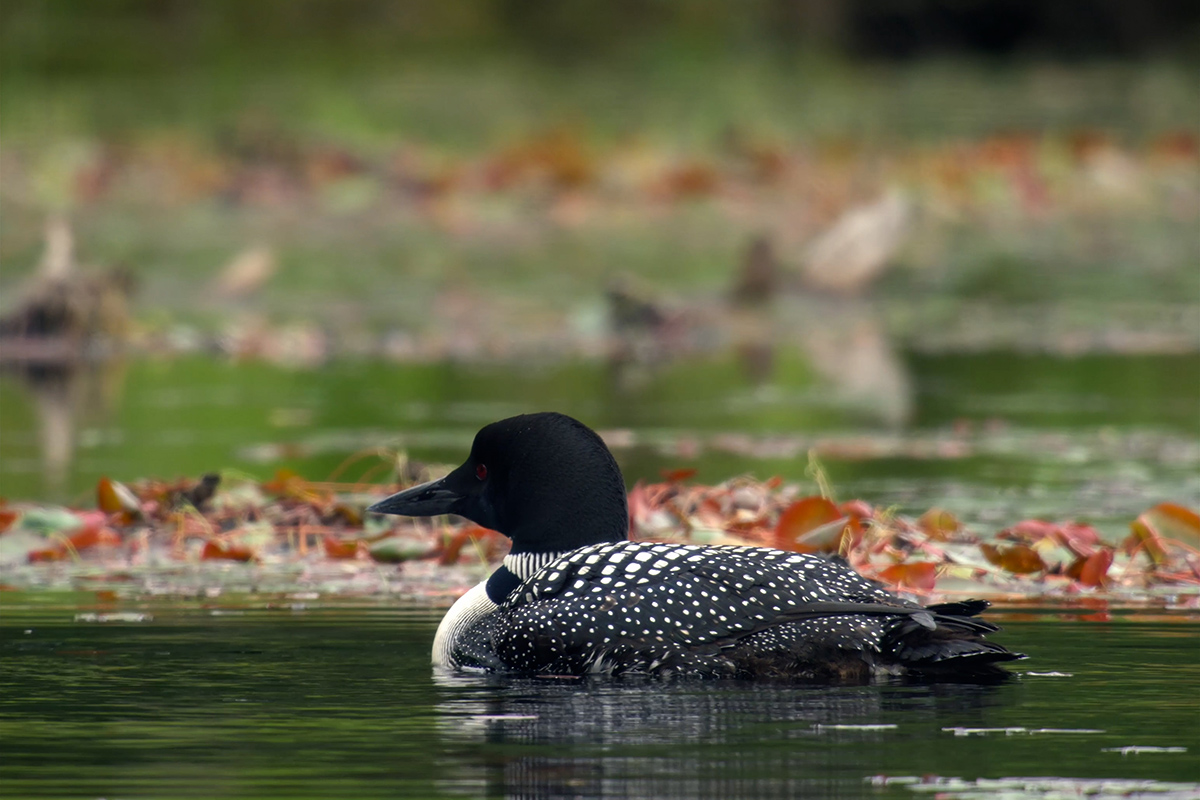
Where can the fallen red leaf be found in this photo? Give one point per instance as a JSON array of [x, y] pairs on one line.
[[1080, 539], [689, 180], [287, 483], [1157, 527], [1144, 535], [709, 513], [920, 575], [1029, 530], [1019, 559], [801, 517], [349, 514], [678, 475], [858, 509], [338, 549], [47, 554], [454, 544], [1093, 570], [115, 499], [113, 496], [939, 524], [90, 536], [1177, 144], [1187, 520], [219, 550]]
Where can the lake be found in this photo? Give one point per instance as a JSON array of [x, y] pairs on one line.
[[277, 697], [994, 437], [311, 696]]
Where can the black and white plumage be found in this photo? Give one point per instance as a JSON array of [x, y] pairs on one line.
[[576, 597]]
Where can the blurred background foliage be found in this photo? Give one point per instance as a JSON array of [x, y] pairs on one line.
[[641, 182], [211, 121], [195, 63], [122, 35]]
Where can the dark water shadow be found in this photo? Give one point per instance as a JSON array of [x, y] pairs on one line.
[[631, 738]]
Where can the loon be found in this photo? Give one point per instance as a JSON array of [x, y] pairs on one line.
[[575, 597]]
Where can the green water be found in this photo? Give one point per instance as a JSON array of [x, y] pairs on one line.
[[275, 699], [996, 437]]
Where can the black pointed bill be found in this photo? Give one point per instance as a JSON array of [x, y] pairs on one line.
[[426, 500]]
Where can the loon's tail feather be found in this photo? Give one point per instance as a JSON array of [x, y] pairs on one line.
[[954, 647]]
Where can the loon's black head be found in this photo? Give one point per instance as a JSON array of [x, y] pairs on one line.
[[546, 481]]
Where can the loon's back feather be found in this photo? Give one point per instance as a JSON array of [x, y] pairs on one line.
[[719, 611]]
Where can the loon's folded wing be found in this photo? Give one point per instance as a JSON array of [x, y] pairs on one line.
[[722, 610], [641, 605]]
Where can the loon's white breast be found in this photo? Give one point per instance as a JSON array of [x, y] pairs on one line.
[[474, 606], [466, 611]]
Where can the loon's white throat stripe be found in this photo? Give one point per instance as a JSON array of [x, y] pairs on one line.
[[525, 565]]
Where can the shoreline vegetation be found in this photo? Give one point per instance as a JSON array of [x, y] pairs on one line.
[[1035, 243], [417, 210], [308, 185], [287, 535]]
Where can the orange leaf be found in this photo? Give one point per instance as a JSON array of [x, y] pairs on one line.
[[218, 550], [1144, 535], [801, 517], [351, 515], [287, 483], [1173, 521], [1094, 569], [690, 180], [92, 537], [113, 497], [1082, 540], [1030, 530], [917, 575], [7, 518], [1181, 516], [677, 475], [709, 513], [939, 523], [279, 484], [1018, 558], [455, 543], [839, 536], [48, 554], [337, 549], [858, 509]]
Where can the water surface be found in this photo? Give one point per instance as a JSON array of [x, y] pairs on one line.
[[285, 698], [996, 437]]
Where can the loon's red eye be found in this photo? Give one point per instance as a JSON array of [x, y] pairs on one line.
[[481, 471]]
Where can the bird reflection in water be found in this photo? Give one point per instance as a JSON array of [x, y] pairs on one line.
[[64, 342], [823, 311], [536, 738]]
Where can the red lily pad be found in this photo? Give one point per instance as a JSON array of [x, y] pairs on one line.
[[1020, 559], [802, 517], [920, 575]]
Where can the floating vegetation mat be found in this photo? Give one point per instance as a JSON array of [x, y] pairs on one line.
[[1041, 788], [289, 534]]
